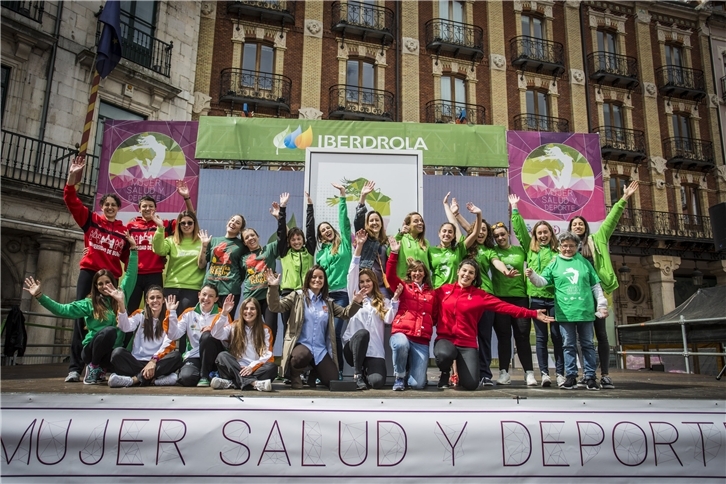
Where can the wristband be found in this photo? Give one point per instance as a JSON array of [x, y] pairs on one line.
[[186, 198], [155, 358]]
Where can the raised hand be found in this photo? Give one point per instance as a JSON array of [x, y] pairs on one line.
[[405, 229], [204, 237], [394, 244], [397, 294], [275, 210], [307, 197], [77, 165], [340, 188], [131, 240], [157, 220], [542, 316], [359, 296], [171, 302], [472, 208], [182, 188], [273, 279], [228, 304], [360, 237], [632, 188], [369, 186], [32, 286], [114, 292], [446, 198], [454, 206], [513, 201], [284, 198]]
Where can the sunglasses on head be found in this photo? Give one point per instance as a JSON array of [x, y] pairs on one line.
[[186, 223], [498, 225]]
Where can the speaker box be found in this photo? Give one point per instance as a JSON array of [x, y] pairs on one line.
[[718, 225]]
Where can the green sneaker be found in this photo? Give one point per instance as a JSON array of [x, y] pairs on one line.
[[203, 382]]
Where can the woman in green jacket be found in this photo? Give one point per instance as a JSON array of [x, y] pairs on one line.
[[594, 248], [541, 248], [414, 245], [99, 311]]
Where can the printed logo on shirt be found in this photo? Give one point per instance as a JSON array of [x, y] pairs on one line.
[[220, 266], [325, 308], [574, 277], [97, 241]]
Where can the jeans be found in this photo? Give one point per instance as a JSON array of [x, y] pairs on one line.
[[341, 299], [484, 335], [603, 346], [570, 332], [467, 362], [541, 330], [415, 355]]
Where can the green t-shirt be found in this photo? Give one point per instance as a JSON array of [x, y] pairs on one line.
[[484, 256], [445, 262], [226, 270], [255, 264], [573, 280], [410, 249], [504, 286]]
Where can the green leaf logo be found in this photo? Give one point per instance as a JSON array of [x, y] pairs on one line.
[[279, 140]]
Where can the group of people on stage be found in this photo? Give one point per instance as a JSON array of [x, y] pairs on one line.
[[211, 318]]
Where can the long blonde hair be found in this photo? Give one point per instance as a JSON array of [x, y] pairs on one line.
[[238, 341], [335, 244], [377, 300]]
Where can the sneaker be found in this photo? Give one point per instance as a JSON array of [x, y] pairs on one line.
[[102, 376], [504, 378], [530, 379], [486, 382], [340, 376], [444, 380], [73, 376], [560, 380], [221, 384], [605, 382], [570, 383], [592, 384], [166, 380], [92, 375], [203, 382], [582, 383], [398, 385], [262, 385], [119, 381], [546, 380], [360, 382]]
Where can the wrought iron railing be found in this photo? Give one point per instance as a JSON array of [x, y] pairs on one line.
[[363, 15], [525, 47], [361, 100], [688, 149], [621, 139], [535, 122], [664, 225], [143, 49], [680, 77], [32, 10], [723, 88], [613, 64], [255, 85], [441, 111], [283, 8], [42, 164], [442, 31]]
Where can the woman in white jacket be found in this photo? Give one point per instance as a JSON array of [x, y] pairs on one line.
[[363, 339], [153, 357], [248, 360]]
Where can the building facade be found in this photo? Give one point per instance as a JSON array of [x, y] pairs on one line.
[[48, 50]]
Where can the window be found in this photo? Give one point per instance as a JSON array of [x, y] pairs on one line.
[[109, 111], [137, 32], [362, 13], [607, 45], [453, 92], [613, 118], [682, 131], [674, 61], [618, 183], [5, 81], [451, 10], [691, 205], [258, 62], [360, 82], [537, 111], [534, 28]]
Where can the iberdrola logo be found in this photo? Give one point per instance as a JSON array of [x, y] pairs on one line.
[[297, 139]]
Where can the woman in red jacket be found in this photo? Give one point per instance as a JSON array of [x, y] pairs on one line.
[[414, 323], [459, 307]]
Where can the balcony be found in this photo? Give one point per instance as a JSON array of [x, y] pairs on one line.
[[241, 86], [369, 21], [688, 153], [621, 144], [680, 82], [538, 55], [677, 227], [723, 88], [441, 111], [32, 10], [535, 122], [360, 103], [613, 70], [35, 166], [282, 11], [143, 49], [455, 38]]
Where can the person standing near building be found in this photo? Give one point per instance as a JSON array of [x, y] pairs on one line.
[[375, 250]]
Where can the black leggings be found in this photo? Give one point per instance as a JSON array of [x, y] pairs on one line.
[[355, 354], [83, 288], [124, 363], [504, 326], [467, 362], [270, 319], [98, 350], [143, 281], [229, 369]]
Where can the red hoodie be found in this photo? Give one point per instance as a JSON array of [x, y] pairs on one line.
[[460, 308], [143, 232], [107, 246]]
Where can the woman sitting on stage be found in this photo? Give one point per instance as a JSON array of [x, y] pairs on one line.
[[153, 358]]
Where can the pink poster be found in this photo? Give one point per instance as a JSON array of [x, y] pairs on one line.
[[148, 158], [557, 176]]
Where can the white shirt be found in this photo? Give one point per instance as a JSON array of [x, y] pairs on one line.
[[143, 349], [223, 329], [190, 322]]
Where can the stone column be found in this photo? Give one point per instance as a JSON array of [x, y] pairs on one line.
[[205, 50], [312, 70], [577, 68], [661, 280], [49, 272], [410, 52], [497, 64]]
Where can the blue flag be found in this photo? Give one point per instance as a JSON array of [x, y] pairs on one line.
[[109, 45]]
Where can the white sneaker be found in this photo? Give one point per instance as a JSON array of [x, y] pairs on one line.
[[530, 379], [119, 381], [166, 381], [263, 386], [546, 380], [221, 383], [73, 376], [561, 380], [504, 378]]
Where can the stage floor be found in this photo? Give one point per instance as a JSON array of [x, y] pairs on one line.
[[631, 384]]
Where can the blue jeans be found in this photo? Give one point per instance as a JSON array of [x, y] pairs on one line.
[[415, 355], [570, 332], [541, 330], [341, 299]]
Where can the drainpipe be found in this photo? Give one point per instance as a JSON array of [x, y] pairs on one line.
[[399, 46], [584, 65], [49, 74]]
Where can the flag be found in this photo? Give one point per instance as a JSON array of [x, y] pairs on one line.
[[109, 46]]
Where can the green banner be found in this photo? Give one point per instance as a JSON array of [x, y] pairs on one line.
[[259, 139]]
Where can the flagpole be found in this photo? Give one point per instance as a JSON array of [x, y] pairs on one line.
[[92, 97]]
